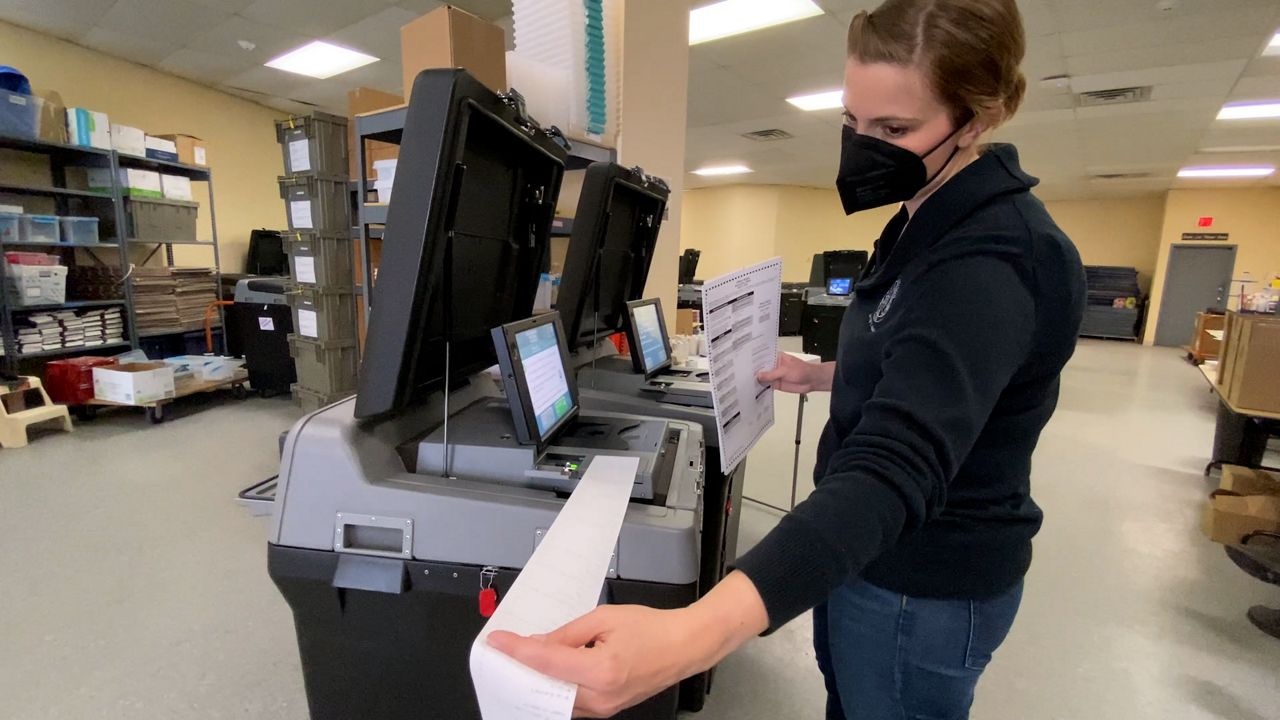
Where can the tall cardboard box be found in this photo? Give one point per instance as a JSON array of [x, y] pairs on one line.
[[366, 100], [450, 38], [1247, 372]]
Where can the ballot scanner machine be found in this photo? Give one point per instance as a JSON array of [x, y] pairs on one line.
[[615, 231], [398, 507]]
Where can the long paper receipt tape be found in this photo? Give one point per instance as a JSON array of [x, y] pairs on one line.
[[560, 583]]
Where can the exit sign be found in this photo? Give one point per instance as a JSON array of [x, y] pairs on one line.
[[1205, 222]]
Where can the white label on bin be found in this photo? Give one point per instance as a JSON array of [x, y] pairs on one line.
[[200, 157], [305, 267], [33, 292], [307, 324], [266, 323], [17, 100], [299, 156], [300, 210]]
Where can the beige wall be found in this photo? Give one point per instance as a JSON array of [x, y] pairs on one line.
[[243, 153], [1250, 216], [1123, 232], [737, 225], [651, 124]]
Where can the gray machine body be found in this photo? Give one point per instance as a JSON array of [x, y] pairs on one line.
[[345, 486], [262, 291], [830, 300], [603, 369], [480, 446]]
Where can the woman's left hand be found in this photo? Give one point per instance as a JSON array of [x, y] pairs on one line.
[[635, 652], [619, 655]]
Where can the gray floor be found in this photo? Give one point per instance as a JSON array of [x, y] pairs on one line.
[[131, 586]]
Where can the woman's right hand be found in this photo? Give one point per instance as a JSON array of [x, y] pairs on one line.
[[794, 375]]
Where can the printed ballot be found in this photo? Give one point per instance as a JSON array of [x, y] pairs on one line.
[[740, 321]]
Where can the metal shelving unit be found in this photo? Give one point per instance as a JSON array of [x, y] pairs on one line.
[[195, 173], [388, 126], [62, 156]]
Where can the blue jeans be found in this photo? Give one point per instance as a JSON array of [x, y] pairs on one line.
[[886, 656]]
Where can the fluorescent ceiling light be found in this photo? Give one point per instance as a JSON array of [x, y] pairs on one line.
[[734, 17], [1226, 172], [321, 60], [1250, 111], [723, 170], [819, 101], [1273, 48]]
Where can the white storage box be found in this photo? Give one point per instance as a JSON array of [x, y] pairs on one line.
[[206, 368], [30, 285], [384, 190], [133, 383], [129, 140], [87, 128], [176, 187], [136, 183], [161, 149], [385, 169]]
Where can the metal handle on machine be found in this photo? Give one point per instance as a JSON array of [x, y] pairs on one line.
[[378, 535]]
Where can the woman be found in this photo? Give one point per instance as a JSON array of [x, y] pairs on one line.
[[912, 548]]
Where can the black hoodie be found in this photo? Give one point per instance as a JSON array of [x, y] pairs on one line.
[[947, 371]]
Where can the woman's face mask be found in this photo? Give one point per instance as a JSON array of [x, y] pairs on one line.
[[875, 172]]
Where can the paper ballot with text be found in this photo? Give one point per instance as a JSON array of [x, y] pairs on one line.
[[560, 583], [740, 321]]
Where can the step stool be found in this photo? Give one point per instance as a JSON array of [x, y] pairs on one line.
[[13, 426]]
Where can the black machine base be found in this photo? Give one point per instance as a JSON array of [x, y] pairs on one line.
[[389, 639]]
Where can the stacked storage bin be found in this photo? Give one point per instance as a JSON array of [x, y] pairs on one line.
[[323, 298]]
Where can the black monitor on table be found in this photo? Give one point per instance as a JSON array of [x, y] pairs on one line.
[[534, 363], [615, 230], [839, 286], [466, 232], [647, 336]]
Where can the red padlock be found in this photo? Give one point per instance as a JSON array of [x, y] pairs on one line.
[[488, 601]]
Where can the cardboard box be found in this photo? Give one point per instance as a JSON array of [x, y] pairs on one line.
[[1246, 501], [191, 149], [450, 38], [176, 187], [1247, 375], [159, 148], [686, 321], [366, 100], [87, 128], [29, 285], [133, 182], [129, 140], [134, 383]]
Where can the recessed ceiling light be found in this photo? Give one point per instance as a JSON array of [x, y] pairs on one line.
[[321, 60], [1250, 111], [734, 17], [819, 101], [1226, 172], [1273, 47], [723, 170]]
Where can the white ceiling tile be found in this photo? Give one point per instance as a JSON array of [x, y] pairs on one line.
[[1038, 17], [1074, 15], [377, 35], [171, 21], [270, 82], [726, 98], [1257, 88], [1234, 134], [487, 9], [1157, 75], [307, 17], [1178, 30], [231, 6], [1234, 50], [130, 47], [205, 67], [269, 41], [419, 7], [67, 19]]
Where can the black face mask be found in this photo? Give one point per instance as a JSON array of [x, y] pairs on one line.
[[874, 173]]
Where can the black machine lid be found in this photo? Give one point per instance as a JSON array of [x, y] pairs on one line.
[[614, 233], [475, 193]]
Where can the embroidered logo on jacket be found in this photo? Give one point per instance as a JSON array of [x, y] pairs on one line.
[[885, 303]]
